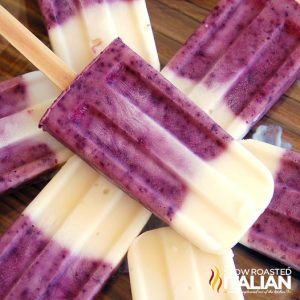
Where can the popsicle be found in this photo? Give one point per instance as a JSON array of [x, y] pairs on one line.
[[81, 29], [163, 265], [67, 242], [25, 150], [74, 28], [240, 60], [127, 121], [276, 233]]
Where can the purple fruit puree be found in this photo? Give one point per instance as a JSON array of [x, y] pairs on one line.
[[32, 266], [219, 30], [56, 12], [260, 37], [23, 161], [108, 117], [277, 231], [13, 96], [21, 243]]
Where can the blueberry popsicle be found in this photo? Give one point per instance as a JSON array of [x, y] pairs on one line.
[[163, 265], [67, 242], [276, 233], [26, 151], [240, 60], [127, 121], [72, 28], [81, 29]]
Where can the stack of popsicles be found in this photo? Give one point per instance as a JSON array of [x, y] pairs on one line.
[[126, 120], [140, 117]]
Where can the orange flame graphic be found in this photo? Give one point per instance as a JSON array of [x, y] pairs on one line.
[[214, 278]]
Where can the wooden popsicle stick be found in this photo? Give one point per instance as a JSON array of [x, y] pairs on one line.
[[34, 50]]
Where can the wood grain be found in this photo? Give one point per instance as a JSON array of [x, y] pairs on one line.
[[173, 22]]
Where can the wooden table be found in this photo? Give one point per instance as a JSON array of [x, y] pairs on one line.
[[173, 21]]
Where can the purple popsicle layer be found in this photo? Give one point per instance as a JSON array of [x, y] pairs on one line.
[[218, 32], [245, 55], [62, 275], [120, 112], [13, 96], [56, 12], [277, 231], [27, 153], [24, 161]]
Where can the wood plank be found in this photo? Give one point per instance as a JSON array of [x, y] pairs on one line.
[[187, 8], [166, 47], [206, 4], [286, 111], [170, 22], [294, 91]]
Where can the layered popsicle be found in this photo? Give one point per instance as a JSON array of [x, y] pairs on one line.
[[127, 121], [67, 243], [240, 60], [81, 29], [276, 233], [78, 31], [26, 151], [163, 265]]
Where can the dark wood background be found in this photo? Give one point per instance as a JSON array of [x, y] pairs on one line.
[[173, 21]]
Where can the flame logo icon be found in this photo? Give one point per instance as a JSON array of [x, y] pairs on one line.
[[215, 278]]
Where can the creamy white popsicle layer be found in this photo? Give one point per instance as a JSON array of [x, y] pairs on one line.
[[276, 233], [70, 239], [81, 29], [127, 121], [26, 151], [163, 265], [240, 60]]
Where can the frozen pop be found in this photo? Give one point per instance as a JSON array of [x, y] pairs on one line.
[[276, 233], [81, 29], [240, 60], [25, 150], [163, 265], [67, 242], [127, 121], [78, 31]]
